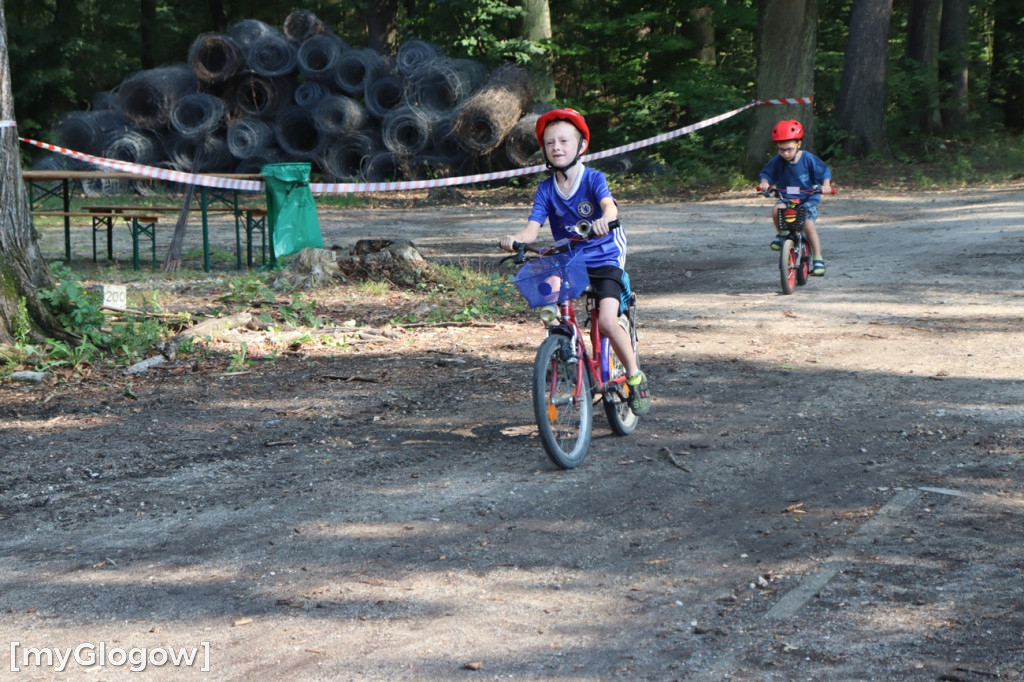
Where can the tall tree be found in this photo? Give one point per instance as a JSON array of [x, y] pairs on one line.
[[537, 29], [1007, 82], [699, 28], [149, 29], [23, 272], [860, 111], [382, 25], [787, 36], [954, 36], [922, 61], [218, 18]]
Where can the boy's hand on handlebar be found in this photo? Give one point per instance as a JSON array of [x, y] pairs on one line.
[[600, 227], [507, 243]]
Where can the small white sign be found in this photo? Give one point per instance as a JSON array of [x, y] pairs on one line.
[[115, 296]]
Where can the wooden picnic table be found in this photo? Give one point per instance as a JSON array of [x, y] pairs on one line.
[[40, 188], [139, 223], [253, 219]]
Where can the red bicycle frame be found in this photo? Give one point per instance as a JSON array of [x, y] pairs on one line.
[[594, 363]]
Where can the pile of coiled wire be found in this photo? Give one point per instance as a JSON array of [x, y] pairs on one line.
[[258, 94]]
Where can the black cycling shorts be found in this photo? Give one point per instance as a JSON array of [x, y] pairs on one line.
[[606, 280]]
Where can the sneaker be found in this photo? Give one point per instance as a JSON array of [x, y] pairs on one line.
[[818, 267], [639, 395], [777, 242]]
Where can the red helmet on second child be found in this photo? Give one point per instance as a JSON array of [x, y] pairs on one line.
[[787, 130]]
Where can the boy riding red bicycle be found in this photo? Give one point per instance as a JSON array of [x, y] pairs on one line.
[[573, 194], [796, 167]]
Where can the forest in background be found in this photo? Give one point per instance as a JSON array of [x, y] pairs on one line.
[[634, 69]]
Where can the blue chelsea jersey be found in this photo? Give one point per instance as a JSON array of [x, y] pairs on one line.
[[805, 173], [562, 212]]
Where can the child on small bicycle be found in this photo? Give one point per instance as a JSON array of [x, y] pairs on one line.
[[796, 167], [577, 193]]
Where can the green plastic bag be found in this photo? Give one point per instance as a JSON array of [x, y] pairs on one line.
[[291, 210]]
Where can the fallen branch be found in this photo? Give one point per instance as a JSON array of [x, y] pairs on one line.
[[212, 328], [675, 462], [412, 325]]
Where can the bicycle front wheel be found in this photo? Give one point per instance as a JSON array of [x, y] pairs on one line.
[[562, 402], [788, 263], [620, 416], [803, 269]]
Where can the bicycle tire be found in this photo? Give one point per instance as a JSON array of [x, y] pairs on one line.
[[803, 270], [787, 266], [564, 422], [620, 417]]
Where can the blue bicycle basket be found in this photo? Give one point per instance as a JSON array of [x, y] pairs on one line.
[[553, 279]]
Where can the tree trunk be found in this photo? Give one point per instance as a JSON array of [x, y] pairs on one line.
[[699, 29], [537, 27], [953, 44], [382, 25], [218, 18], [787, 36], [923, 61], [149, 29], [860, 110], [1006, 89], [23, 272]]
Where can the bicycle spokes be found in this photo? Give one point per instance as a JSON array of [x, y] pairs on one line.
[[561, 401]]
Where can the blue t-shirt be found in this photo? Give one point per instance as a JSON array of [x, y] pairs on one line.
[[805, 174], [562, 212]]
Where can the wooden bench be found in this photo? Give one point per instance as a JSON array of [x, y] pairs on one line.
[[139, 223], [255, 220], [44, 186]]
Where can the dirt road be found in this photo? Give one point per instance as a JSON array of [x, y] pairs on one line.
[[830, 485]]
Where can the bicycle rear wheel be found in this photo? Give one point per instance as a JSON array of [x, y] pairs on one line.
[[788, 264], [564, 421], [620, 417]]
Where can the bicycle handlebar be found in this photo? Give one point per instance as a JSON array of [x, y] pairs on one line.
[[777, 190], [582, 228]]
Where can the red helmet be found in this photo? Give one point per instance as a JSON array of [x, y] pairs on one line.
[[571, 115], [787, 130]]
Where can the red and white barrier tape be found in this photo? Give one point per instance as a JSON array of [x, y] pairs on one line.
[[152, 171], [7, 124], [399, 186]]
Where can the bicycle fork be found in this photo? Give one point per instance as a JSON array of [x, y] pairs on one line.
[[571, 355]]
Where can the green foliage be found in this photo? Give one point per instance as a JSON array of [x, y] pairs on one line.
[[75, 308], [22, 352], [249, 291], [22, 323], [60, 354], [374, 287], [300, 313], [134, 336], [239, 358], [462, 293], [484, 30], [634, 69]]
